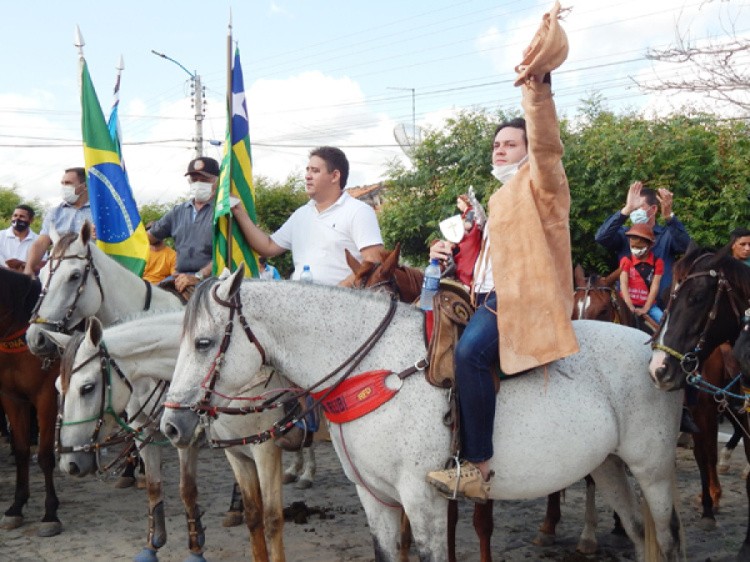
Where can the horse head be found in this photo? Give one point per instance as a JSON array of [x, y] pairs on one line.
[[710, 292], [597, 299], [204, 376], [71, 291], [93, 398]]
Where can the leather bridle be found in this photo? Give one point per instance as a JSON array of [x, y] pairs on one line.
[[128, 433]]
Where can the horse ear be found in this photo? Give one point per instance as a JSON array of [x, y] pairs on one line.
[[94, 331], [85, 234], [352, 261], [391, 262], [59, 339], [579, 276], [229, 287]]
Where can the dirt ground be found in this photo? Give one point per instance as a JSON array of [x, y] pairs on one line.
[[104, 523]]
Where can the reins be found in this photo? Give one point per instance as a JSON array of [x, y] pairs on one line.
[[90, 267], [128, 433], [206, 410]]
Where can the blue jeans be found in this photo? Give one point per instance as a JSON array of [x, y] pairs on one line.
[[476, 351], [655, 313]]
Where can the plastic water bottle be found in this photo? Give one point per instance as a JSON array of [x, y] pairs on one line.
[[306, 275], [430, 284]]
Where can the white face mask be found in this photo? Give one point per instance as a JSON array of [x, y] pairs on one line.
[[639, 216], [504, 173], [69, 193], [638, 253], [201, 191]]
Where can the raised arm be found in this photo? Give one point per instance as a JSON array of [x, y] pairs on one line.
[[261, 242]]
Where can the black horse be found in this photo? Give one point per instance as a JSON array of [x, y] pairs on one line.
[[710, 294]]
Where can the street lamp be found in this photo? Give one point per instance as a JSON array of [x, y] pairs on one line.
[[197, 103]]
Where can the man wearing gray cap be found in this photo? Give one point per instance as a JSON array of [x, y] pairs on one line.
[[190, 224]]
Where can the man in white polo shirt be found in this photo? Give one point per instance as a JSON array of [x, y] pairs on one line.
[[16, 240], [318, 233]]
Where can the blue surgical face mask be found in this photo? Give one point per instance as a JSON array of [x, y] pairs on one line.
[[639, 216]]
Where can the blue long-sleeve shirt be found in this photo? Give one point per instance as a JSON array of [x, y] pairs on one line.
[[670, 241]]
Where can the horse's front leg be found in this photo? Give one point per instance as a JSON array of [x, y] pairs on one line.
[[268, 465], [246, 474], [18, 416], [46, 407], [428, 517], [157, 529], [189, 494]]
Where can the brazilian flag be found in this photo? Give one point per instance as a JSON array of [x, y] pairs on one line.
[[235, 179], [119, 230]]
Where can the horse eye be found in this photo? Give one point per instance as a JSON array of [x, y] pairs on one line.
[[202, 344], [75, 276], [87, 389]]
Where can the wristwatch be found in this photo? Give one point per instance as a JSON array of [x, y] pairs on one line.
[[199, 275]]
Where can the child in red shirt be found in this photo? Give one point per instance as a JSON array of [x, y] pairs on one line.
[[641, 273]]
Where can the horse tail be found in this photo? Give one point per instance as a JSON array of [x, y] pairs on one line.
[[652, 550]]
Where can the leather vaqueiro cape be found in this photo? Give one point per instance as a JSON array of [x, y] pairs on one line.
[[530, 242]]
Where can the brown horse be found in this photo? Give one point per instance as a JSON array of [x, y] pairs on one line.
[[23, 383], [597, 299], [405, 283]]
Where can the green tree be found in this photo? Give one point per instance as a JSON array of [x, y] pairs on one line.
[[10, 199], [703, 160]]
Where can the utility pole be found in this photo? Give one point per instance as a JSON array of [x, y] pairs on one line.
[[198, 93], [413, 106]]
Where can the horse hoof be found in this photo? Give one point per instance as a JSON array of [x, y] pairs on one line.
[[587, 546], [707, 524], [304, 484], [146, 555], [125, 482], [232, 519], [193, 557], [49, 529], [543, 539], [289, 479], [11, 522]]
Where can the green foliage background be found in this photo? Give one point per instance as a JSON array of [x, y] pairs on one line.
[[703, 160]]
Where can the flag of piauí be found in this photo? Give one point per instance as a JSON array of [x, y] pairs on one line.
[[119, 230], [235, 179]]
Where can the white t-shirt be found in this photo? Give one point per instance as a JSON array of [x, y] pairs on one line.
[[13, 248], [319, 239]]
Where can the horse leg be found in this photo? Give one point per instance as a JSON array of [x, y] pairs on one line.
[[18, 417], [46, 407], [189, 494], [612, 482], [385, 526], [428, 516], [246, 474], [546, 534], [308, 468], [157, 530], [726, 451], [291, 474], [268, 466], [587, 542], [704, 451]]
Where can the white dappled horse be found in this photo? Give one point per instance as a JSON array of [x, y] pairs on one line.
[[591, 413], [137, 354], [80, 281]]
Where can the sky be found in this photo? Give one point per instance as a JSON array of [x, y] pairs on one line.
[[331, 72]]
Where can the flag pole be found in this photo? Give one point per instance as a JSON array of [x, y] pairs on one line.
[[229, 140]]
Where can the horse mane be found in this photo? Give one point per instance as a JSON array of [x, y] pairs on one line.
[[18, 297], [736, 272], [67, 359], [63, 244]]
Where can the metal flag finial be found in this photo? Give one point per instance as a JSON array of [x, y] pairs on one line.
[[78, 40]]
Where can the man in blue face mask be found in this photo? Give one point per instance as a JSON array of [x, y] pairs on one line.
[[642, 206], [16, 240]]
